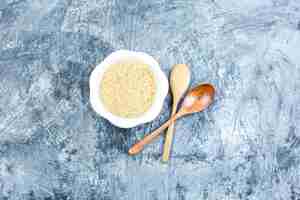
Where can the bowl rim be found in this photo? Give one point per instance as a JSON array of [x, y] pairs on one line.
[[161, 81]]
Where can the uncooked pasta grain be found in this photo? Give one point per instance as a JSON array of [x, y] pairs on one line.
[[128, 89]]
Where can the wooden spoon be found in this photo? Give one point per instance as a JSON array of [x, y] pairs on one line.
[[179, 82], [197, 99]]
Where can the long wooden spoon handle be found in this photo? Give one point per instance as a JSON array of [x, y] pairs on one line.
[[169, 137], [139, 146]]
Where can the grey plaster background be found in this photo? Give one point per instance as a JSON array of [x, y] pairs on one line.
[[246, 146]]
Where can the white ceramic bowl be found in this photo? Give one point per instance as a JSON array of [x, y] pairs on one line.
[[161, 81]]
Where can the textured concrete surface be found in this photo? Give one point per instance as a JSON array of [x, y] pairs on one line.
[[246, 146]]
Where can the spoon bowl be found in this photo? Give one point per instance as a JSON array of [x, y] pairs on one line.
[[198, 99]]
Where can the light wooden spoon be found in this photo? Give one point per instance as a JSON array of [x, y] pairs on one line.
[[179, 82], [197, 99]]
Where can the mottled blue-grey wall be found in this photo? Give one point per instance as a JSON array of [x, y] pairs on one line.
[[245, 146]]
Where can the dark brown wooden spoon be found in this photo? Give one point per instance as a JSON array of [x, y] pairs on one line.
[[196, 100]]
